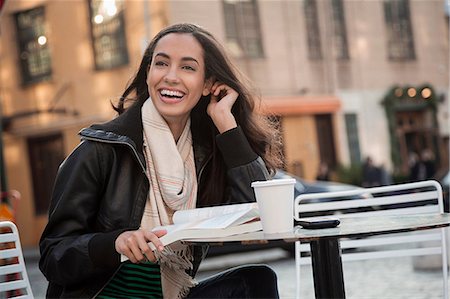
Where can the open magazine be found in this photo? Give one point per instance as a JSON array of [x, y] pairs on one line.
[[211, 222]]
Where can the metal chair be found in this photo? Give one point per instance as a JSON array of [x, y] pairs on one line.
[[14, 282], [411, 198]]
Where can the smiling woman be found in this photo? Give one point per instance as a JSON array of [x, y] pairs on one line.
[[176, 79], [186, 136]]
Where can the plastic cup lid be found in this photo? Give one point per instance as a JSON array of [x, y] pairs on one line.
[[274, 182]]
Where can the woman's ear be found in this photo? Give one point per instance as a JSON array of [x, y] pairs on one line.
[[207, 87]]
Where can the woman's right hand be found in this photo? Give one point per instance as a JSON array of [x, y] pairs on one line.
[[133, 244]]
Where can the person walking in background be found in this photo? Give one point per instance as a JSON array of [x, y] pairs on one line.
[[186, 137], [421, 167], [429, 163], [414, 164], [371, 174], [323, 173]]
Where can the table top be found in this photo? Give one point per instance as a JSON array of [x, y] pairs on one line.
[[349, 227]]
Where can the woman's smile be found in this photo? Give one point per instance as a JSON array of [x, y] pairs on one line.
[[171, 96]]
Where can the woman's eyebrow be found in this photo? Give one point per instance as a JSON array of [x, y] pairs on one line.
[[187, 58]]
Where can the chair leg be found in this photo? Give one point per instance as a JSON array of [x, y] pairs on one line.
[[444, 261], [297, 269]]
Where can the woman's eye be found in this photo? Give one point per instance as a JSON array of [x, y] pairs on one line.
[[160, 63], [189, 68]]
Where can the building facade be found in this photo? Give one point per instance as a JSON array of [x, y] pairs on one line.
[[346, 79]]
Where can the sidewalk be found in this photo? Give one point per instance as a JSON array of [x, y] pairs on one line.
[[392, 278]]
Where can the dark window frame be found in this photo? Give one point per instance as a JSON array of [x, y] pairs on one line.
[[243, 27], [400, 35], [340, 30], [312, 30], [109, 42], [35, 59]]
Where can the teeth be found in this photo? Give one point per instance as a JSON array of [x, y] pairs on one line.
[[171, 93]]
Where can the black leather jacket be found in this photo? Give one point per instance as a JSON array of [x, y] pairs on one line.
[[100, 191]]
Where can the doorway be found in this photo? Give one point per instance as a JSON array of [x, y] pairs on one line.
[[46, 154], [325, 139]]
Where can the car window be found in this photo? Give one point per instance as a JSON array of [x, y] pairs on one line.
[[446, 179]]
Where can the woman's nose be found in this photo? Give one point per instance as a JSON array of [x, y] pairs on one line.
[[171, 75]]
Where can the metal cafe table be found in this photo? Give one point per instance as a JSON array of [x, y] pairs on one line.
[[325, 249]]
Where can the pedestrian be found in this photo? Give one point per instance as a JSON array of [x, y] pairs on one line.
[[323, 173], [429, 163], [421, 167], [416, 167], [371, 174], [186, 136]]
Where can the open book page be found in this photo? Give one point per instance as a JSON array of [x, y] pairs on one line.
[[210, 212], [218, 221]]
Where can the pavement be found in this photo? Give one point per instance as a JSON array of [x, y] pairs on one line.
[[393, 278]]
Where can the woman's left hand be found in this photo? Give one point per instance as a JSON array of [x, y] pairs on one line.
[[222, 100]]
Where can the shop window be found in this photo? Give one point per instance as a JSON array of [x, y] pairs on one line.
[[45, 155], [312, 30], [400, 44], [34, 51], [242, 27], [340, 32], [108, 33]]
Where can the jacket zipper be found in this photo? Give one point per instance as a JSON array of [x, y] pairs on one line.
[[203, 168], [109, 280], [143, 170]]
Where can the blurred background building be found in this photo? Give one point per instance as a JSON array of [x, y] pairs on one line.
[[345, 79]]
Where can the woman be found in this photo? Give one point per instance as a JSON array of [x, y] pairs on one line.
[[186, 136]]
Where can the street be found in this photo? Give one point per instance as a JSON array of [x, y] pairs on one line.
[[384, 278]]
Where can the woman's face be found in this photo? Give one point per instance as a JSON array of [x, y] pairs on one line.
[[176, 77]]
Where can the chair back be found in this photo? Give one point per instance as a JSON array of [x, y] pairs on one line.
[[14, 282], [401, 199]]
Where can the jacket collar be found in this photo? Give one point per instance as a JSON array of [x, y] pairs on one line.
[[127, 128]]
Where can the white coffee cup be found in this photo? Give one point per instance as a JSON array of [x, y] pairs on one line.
[[275, 200]]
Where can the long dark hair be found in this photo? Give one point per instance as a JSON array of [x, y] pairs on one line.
[[260, 132]]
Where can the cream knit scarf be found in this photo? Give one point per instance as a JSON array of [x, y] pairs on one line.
[[173, 186]]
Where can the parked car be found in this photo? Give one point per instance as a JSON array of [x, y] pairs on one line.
[[443, 178], [304, 186], [301, 187]]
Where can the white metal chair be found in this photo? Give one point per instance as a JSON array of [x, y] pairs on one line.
[[411, 198], [14, 282]]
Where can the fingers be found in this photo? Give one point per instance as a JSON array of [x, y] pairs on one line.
[[152, 237], [134, 244], [220, 90]]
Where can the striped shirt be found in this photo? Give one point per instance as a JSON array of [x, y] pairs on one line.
[[134, 281]]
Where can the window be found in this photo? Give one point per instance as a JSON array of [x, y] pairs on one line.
[[45, 155], [34, 53], [242, 28], [340, 33], [108, 33], [351, 126], [399, 30], [312, 30]]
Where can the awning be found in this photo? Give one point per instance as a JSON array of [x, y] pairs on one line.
[[297, 105]]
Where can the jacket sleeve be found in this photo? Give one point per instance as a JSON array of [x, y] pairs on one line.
[[244, 166], [64, 245]]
